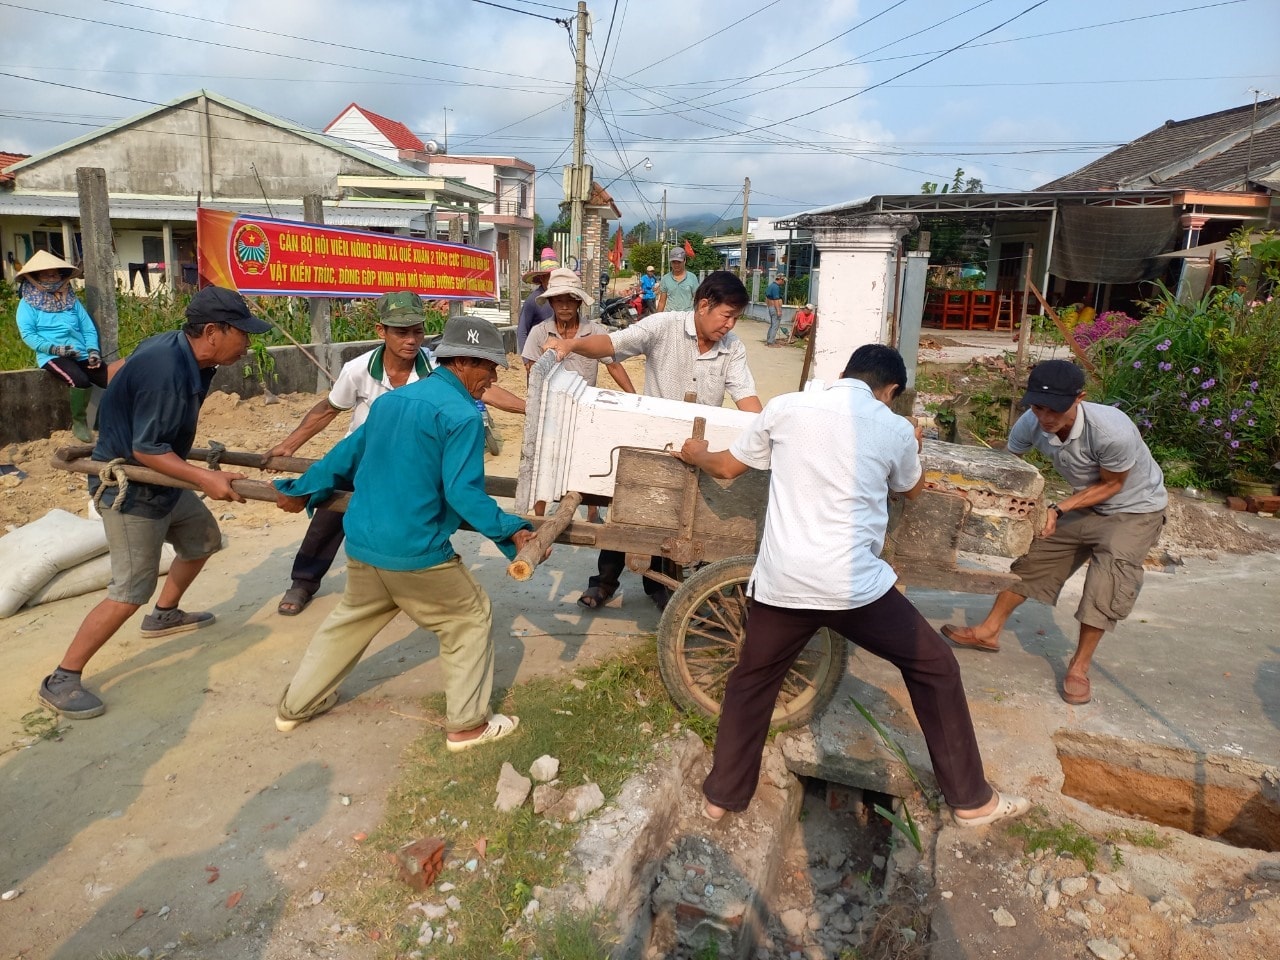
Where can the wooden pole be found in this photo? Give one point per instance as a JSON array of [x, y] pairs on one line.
[[99, 258], [742, 243], [76, 452], [1062, 329], [527, 560], [513, 276], [455, 236], [321, 321]]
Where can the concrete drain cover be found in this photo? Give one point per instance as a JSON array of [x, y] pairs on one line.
[[1226, 798]]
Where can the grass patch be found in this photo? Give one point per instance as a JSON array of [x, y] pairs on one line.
[[602, 728], [1146, 837], [1037, 832]]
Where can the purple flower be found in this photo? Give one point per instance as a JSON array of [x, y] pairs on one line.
[[1235, 444], [1226, 435], [1137, 364], [1254, 386], [1195, 406], [1208, 384], [1217, 421], [1200, 422], [1248, 403], [1166, 367], [1195, 369], [1235, 415], [1250, 421]]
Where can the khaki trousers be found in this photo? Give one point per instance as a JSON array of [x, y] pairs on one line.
[[444, 599]]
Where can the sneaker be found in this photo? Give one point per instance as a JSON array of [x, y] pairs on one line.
[[162, 623], [64, 694], [287, 726]]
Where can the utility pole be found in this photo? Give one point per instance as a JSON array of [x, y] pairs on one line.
[[663, 235], [742, 244], [578, 189]]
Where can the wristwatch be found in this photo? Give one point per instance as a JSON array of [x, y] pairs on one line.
[[1057, 509]]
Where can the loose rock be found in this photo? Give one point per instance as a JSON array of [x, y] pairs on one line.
[[512, 789], [1003, 918], [544, 769], [1105, 950]]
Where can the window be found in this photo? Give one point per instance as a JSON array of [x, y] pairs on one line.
[[48, 240], [153, 249]]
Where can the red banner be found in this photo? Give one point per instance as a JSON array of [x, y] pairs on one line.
[[257, 255]]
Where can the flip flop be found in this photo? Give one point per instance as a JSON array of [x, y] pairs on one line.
[[1006, 807], [1076, 690], [594, 597], [952, 633], [293, 602], [707, 814], [498, 727]]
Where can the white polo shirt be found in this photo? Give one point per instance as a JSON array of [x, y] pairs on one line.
[[673, 366], [835, 454], [363, 379]]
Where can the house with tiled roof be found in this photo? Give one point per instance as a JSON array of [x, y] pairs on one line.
[[8, 160], [506, 222], [207, 149]]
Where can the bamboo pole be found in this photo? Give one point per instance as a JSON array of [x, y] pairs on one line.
[[533, 552]]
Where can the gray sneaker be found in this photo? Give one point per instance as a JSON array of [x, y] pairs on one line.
[[162, 623], [65, 695]]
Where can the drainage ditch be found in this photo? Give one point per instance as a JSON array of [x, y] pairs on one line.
[[1224, 798]]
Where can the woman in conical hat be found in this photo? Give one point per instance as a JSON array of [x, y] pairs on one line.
[[53, 323], [534, 311]]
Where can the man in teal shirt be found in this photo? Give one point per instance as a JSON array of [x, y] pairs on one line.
[[417, 469]]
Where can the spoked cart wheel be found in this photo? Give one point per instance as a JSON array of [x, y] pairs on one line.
[[702, 631]]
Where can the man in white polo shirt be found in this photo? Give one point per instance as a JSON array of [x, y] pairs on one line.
[[690, 354], [835, 456]]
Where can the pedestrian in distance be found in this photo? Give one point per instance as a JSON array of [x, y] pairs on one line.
[[836, 455], [687, 353], [1111, 521], [148, 418], [773, 304], [54, 324], [416, 469], [677, 289], [801, 323], [649, 291], [400, 359]]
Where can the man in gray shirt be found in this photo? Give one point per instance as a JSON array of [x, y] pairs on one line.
[[1112, 519]]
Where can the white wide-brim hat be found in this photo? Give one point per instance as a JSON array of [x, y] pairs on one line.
[[564, 281]]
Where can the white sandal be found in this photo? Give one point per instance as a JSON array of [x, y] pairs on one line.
[[1007, 806], [496, 728]]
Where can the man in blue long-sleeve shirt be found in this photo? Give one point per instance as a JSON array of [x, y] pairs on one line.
[[417, 469]]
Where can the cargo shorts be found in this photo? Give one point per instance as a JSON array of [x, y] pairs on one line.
[[1114, 545], [135, 543]]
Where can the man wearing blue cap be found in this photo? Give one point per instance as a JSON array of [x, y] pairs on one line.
[[148, 418]]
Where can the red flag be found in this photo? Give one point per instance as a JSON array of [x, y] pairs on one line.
[[688, 250], [615, 255]]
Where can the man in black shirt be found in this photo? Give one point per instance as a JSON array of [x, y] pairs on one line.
[[148, 418]]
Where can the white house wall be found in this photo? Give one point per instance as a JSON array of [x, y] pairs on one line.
[[354, 127]]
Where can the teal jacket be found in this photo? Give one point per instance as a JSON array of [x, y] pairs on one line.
[[417, 468]]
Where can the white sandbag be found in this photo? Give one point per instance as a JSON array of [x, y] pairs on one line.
[[32, 554], [88, 576]]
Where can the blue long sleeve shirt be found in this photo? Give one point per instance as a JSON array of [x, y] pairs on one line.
[[417, 469], [42, 331]]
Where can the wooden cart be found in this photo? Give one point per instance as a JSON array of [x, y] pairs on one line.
[[709, 530]]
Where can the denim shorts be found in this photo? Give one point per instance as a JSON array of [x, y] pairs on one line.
[[135, 543]]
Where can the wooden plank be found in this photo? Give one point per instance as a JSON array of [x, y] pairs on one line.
[[650, 490]]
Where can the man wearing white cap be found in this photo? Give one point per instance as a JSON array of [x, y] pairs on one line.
[[417, 470]]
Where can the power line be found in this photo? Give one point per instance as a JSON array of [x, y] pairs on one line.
[[737, 22], [527, 13]]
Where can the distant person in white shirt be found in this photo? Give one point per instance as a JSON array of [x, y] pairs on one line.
[[835, 455]]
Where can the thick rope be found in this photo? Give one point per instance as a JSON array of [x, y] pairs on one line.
[[111, 474]]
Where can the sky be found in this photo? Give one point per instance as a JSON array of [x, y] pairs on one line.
[[816, 101]]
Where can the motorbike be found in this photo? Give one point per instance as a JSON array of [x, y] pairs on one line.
[[618, 312]]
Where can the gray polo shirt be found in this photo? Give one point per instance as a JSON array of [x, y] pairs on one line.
[[1102, 436], [673, 366]]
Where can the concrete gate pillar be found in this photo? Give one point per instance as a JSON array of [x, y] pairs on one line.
[[855, 298]]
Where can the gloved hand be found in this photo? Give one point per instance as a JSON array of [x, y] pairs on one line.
[[64, 350], [95, 359]]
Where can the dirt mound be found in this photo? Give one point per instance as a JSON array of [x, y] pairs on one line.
[[1201, 528]]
